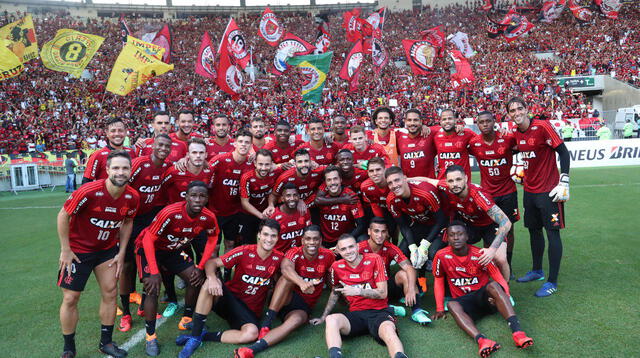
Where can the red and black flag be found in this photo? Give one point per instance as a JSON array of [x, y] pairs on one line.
[[582, 13], [515, 25], [270, 28], [420, 56], [205, 62], [290, 46], [551, 10], [609, 8], [124, 29], [163, 39], [435, 37], [352, 64], [488, 5], [461, 71], [494, 29], [356, 27], [323, 38]]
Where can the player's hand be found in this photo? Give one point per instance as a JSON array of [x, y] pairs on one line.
[[348, 290], [302, 207], [197, 277], [504, 131], [152, 284], [328, 138], [351, 199], [425, 130], [410, 297], [118, 260], [67, 257], [438, 315], [423, 253], [460, 128], [560, 193], [181, 165], [268, 211], [287, 165], [213, 286], [307, 288], [487, 256], [140, 143], [413, 257], [316, 321], [314, 165]]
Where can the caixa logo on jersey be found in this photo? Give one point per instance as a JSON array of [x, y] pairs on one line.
[[255, 280], [106, 224]]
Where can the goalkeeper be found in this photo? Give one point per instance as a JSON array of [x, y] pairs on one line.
[[545, 190]]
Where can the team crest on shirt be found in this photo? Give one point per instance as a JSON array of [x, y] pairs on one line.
[[531, 141]]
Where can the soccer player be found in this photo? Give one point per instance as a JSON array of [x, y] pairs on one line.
[[362, 280], [361, 149], [494, 152], [146, 178], [240, 300], [255, 187], [283, 148], [352, 177], [375, 191], [161, 244], [303, 274], [340, 209], [115, 131], [221, 142], [93, 221], [305, 179], [227, 169], [339, 135], [258, 131], [384, 134], [292, 221], [452, 146], [416, 151], [161, 124], [319, 150], [404, 283], [185, 127], [417, 210], [474, 296], [545, 191]]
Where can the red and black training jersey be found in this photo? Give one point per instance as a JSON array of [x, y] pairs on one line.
[[173, 228], [373, 150], [146, 179], [417, 155], [323, 156], [291, 227], [214, 149], [536, 146], [339, 219], [97, 163], [452, 149], [175, 182], [96, 217], [315, 269], [178, 150], [369, 272], [421, 206], [355, 182], [257, 190], [307, 186], [495, 161], [375, 196], [252, 275], [472, 209], [282, 155], [224, 194], [389, 252]]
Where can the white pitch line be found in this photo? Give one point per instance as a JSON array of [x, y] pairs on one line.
[[141, 334]]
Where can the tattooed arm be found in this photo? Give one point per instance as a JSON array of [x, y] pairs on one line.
[[331, 302], [504, 225]]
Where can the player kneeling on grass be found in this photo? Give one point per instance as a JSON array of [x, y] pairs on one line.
[[362, 280], [403, 284], [160, 245], [297, 291], [474, 295], [240, 300]]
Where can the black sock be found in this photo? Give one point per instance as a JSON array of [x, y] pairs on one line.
[[188, 311], [124, 301], [480, 335], [259, 346], [268, 317], [143, 297], [416, 306], [400, 355], [69, 342], [198, 324], [514, 323], [150, 326], [335, 352], [537, 248], [555, 254], [106, 334], [212, 336]]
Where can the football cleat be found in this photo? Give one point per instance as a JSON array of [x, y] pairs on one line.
[[185, 323], [171, 309], [486, 347], [182, 339], [521, 340], [141, 314], [547, 289], [421, 317], [398, 311], [244, 352], [537, 275], [113, 350], [190, 347], [68, 354], [263, 332], [125, 323], [152, 347], [135, 297]]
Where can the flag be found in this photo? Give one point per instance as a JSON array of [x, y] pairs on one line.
[[315, 69], [323, 38], [236, 44], [488, 5], [461, 41], [70, 51], [124, 29], [270, 28], [134, 66], [515, 25], [461, 72], [163, 39], [356, 27], [494, 29], [229, 68], [609, 8], [435, 37], [581, 13], [290, 46], [376, 20], [379, 54], [205, 62], [20, 38], [351, 67], [10, 65], [551, 10], [148, 48], [420, 56]]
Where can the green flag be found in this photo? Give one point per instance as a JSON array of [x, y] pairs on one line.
[[315, 69]]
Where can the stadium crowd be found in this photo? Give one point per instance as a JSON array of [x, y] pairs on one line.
[[49, 110]]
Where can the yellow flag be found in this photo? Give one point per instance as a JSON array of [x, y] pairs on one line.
[[10, 65], [70, 51], [20, 37], [149, 48], [134, 66]]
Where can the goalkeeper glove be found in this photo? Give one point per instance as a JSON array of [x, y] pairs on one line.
[[561, 192], [413, 249], [423, 253]]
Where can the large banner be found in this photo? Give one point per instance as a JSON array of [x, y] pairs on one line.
[[604, 153], [47, 161]]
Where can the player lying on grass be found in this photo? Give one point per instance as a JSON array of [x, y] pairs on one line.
[[474, 295], [297, 291]]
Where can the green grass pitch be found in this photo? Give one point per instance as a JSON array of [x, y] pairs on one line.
[[595, 312]]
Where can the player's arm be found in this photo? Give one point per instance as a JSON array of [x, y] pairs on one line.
[[331, 303], [496, 275], [360, 220], [67, 257], [504, 225], [90, 168], [431, 181], [125, 235], [151, 283], [322, 199], [212, 285], [247, 206], [213, 236], [438, 288], [288, 270], [410, 297], [561, 192], [378, 293]]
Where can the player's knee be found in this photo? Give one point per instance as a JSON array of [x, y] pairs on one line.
[[387, 330], [494, 288], [249, 332], [297, 318], [454, 307], [401, 277], [332, 320], [70, 298]]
